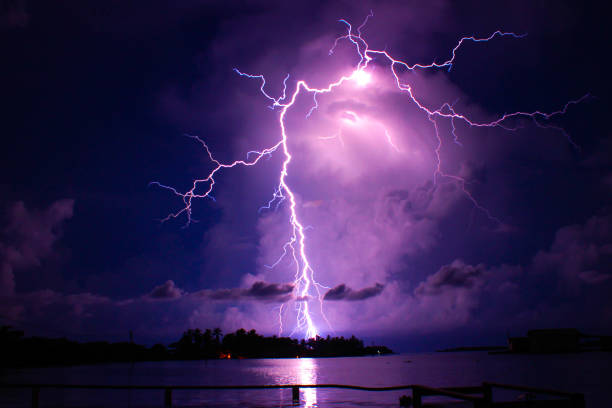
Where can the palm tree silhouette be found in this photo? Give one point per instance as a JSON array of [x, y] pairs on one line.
[[217, 333]]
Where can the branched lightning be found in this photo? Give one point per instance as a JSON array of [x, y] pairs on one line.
[[305, 284]]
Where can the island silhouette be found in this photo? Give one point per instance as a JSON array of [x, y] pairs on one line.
[[16, 350]]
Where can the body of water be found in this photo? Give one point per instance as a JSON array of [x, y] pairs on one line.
[[585, 372]]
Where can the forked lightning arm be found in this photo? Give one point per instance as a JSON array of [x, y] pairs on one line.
[[304, 281]]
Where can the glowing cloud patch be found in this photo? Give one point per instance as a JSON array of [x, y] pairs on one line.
[[361, 77]]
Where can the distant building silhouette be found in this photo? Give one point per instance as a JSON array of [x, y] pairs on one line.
[[566, 340]]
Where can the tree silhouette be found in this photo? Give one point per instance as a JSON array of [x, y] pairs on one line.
[[194, 344], [217, 333]]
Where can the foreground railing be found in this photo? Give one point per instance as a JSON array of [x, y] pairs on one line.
[[467, 394], [485, 399]]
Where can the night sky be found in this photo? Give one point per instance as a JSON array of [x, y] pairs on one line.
[[98, 97]]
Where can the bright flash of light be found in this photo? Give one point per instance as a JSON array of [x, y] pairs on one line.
[[306, 287], [361, 77]]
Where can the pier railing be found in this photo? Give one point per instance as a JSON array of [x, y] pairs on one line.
[[478, 396]]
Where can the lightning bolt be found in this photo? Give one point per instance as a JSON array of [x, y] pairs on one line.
[[305, 285]]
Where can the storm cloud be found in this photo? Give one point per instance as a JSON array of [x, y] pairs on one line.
[[419, 224]]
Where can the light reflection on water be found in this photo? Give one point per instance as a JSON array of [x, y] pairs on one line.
[[307, 374], [291, 371], [436, 369]]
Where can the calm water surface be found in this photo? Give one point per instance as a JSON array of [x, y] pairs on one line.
[[586, 372]]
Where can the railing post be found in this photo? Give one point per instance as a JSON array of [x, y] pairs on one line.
[[487, 394], [168, 398], [416, 397], [405, 401], [481, 403], [577, 401], [35, 395], [295, 390]]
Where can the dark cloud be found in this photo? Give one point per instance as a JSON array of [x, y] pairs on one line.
[[343, 292], [168, 290], [272, 292], [266, 290], [257, 291], [594, 277], [337, 292], [42, 304], [29, 237], [455, 275]]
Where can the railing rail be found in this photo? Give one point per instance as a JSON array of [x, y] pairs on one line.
[[420, 391], [205, 387], [532, 389], [574, 400], [169, 388]]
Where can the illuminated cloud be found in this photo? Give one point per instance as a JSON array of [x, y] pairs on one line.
[[579, 253], [168, 290], [28, 238]]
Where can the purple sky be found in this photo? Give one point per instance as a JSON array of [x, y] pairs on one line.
[[101, 95]]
